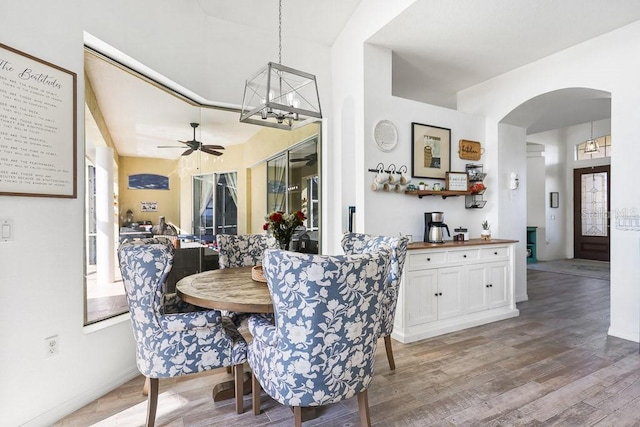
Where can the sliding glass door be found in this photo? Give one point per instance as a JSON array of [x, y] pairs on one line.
[[215, 212]]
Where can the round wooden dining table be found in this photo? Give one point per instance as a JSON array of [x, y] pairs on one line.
[[231, 289]]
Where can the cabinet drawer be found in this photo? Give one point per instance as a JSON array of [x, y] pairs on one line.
[[457, 256], [425, 260], [497, 252]]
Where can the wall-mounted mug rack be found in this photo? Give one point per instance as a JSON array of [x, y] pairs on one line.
[[389, 178]]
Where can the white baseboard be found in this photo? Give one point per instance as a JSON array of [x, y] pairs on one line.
[[87, 396], [623, 334]]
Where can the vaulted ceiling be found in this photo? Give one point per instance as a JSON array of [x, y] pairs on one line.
[[440, 47]]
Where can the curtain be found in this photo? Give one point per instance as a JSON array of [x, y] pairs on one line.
[[206, 194], [280, 170], [232, 185]]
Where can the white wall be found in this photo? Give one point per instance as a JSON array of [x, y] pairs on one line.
[[609, 62], [536, 194], [392, 213], [511, 150], [557, 240], [41, 271], [348, 134]]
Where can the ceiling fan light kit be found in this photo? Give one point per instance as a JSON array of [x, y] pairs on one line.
[[280, 97]]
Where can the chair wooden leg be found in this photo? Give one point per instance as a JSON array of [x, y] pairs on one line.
[[229, 369], [387, 346], [297, 416], [255, 394], [239, 387], [363, 405], [152, 401], [145, 387]]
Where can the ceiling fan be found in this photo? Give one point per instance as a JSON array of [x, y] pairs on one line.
[[195, 145], [311, 159]]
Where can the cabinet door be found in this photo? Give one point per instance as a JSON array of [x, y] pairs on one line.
[[497, 282], [420, 296], [450, 292], [477, 288]]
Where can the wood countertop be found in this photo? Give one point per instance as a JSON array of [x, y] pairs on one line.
[[457, 244]]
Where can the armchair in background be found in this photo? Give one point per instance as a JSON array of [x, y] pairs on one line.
[[357, 243], [244, 250]]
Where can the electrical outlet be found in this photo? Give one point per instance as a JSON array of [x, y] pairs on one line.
[[52, 346]]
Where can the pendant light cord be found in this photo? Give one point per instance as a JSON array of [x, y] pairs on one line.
[[279, 31]]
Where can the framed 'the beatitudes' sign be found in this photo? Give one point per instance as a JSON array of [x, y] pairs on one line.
[[38, 136]]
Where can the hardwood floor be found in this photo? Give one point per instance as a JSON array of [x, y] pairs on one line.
[[554, 365]]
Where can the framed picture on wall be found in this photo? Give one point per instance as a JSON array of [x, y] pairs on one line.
[[457, 181], [430, 151]]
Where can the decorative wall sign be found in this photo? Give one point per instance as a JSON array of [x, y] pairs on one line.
[[148, 181], [148, 206], [38, 123], [430, 151], [469, 150], [457, 181]]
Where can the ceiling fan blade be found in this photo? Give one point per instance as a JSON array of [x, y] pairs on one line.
[[206, 149], [189, 151], [214, 147], [299, 160]]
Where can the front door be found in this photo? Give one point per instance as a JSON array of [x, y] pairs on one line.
[[591, 201]]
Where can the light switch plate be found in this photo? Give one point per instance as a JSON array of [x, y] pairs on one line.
[[6, 230]]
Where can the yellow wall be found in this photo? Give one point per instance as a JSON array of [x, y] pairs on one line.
[[247, 160], [168, 200]]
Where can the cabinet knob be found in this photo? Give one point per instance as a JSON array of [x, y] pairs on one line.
[[436, 294], [491, 286], [440, 294], [428, 259], [464, 256], [495, 253]]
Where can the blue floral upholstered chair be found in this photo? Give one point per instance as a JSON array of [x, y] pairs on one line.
[[357, 243], [322, 347], [244, 250], [173, 338]]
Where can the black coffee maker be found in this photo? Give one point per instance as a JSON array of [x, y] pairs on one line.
[[434, 227]]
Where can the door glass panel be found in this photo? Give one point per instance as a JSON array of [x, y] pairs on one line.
[[594, 204], [215, 213], [227, 203]]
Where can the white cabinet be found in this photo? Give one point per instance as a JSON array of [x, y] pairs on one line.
[[451, 286]]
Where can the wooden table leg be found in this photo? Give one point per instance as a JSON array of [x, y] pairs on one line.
[[226, 389]]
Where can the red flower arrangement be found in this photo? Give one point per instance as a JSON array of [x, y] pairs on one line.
[[283, 225]]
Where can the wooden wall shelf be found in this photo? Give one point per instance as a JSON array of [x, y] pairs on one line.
[[443, 193]]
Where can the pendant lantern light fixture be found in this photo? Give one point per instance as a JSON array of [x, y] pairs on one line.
[[591, 146], [279, 96]]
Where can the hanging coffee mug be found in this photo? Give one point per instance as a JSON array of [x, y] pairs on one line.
[[393, 176], [382, 177]]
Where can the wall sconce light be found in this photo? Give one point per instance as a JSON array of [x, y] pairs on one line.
[[514, 182]]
